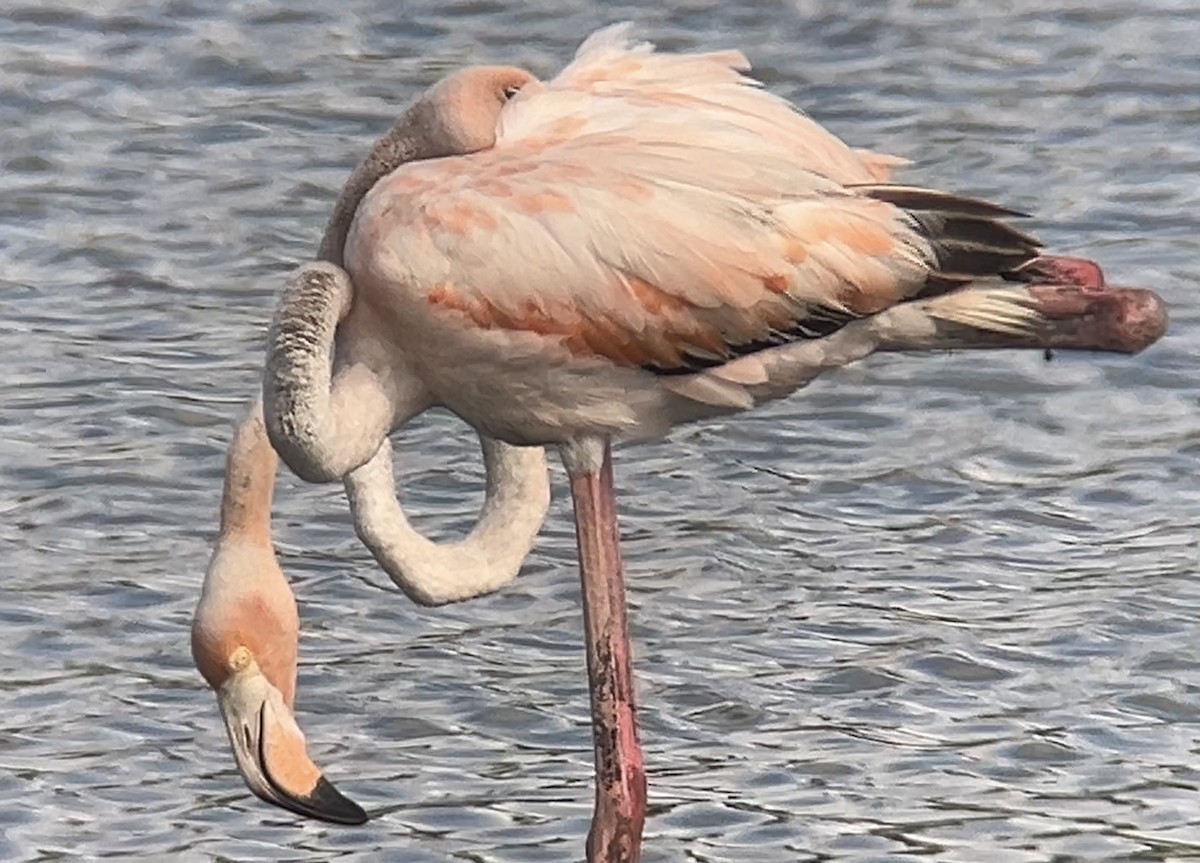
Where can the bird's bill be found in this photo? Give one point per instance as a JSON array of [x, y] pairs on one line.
[[271, 753]]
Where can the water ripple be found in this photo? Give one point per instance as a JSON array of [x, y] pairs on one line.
[[938, 607]]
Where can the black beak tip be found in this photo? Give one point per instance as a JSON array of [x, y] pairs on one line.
[[329, 804], [324, 802]]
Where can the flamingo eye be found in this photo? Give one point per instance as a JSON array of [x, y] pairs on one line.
[[510, 91]]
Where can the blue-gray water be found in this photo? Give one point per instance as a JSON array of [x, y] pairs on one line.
[[935, 607]]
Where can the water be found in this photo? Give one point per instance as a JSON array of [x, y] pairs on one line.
[[939, 607]]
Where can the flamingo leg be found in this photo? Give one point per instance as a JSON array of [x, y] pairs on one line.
[[620, 813]]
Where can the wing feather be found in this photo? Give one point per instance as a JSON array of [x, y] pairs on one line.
[[663, 211]]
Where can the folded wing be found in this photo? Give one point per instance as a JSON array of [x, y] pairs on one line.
[[664, 211]]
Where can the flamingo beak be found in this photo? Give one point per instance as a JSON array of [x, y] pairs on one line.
[[271, 753]]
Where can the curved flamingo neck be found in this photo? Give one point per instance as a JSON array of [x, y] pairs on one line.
[[399, 145], [322, 424], [250, 468], [327, 410]]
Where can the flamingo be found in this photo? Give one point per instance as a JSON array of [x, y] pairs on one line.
[[645, 240], [245, 630]]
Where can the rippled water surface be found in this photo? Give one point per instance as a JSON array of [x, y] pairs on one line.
[[935, 607]]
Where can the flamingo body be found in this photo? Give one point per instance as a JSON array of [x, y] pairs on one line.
[[640, 218]]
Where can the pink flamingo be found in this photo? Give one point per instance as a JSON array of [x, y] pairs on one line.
[[645, 240]]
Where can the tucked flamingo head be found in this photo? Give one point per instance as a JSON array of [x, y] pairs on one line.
[[244, 641], [456, 116], [461, 111]]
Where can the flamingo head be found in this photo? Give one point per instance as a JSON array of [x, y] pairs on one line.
[[245, 635], [459, 114]]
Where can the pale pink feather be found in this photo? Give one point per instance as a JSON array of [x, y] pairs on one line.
[[640, 206]]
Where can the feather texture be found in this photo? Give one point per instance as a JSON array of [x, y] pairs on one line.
[[664, 211]]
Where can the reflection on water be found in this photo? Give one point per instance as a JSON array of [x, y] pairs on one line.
[[939, 607]]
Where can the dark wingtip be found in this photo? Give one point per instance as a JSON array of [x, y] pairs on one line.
[[917, 198]]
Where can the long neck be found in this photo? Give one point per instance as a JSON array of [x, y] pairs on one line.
[[391, 151], [250, 468]]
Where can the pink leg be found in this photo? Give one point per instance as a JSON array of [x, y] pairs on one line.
[[616, 834]]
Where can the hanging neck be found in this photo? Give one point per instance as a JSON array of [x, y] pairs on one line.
[[250, 468]]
